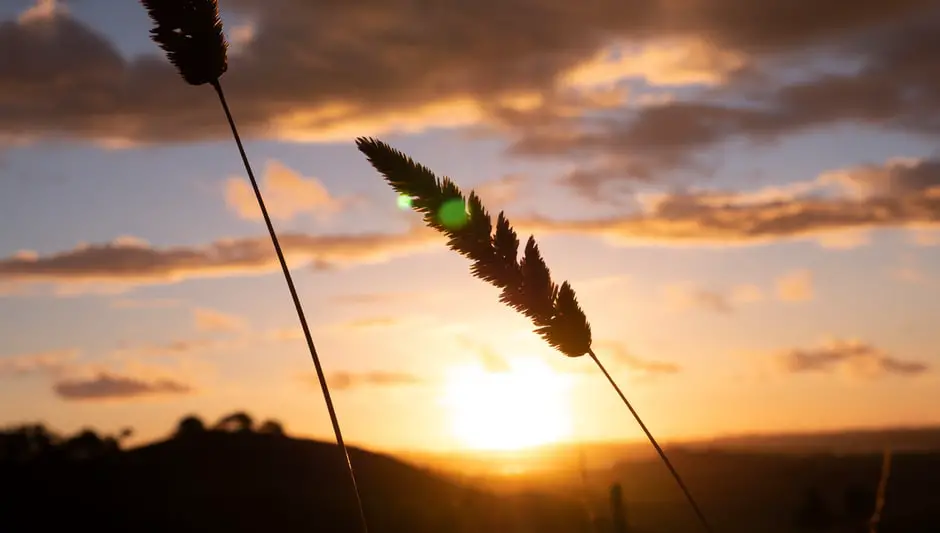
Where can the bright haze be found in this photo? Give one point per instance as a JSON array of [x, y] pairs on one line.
[[743, 194]]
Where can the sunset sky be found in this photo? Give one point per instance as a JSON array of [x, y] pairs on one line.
[[743, 194]]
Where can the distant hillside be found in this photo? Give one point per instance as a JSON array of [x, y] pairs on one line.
[[850, 441], [748, 491], [767, 492], [566, 458], [236, 480], [249, 482]]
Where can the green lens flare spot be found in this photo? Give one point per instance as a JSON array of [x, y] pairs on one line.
[[453, 214], [404, 202]]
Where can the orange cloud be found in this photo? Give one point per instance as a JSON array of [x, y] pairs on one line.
[[684, 296], [372, 322], [145, 303], [857, 358], [41, 11], [106, 386], [127, 263], [640, 367], [808, 210], [321, 84], [758, 103], [213, 320], [287, 194], [746, 293], [122, 375], [659, 62], [797, 286], [343, 381], [376, 297], [48, 362], [243, 339], [805, 210], [500, 192]]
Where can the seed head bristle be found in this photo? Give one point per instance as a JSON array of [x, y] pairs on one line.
[[190, 32], [526, 283]]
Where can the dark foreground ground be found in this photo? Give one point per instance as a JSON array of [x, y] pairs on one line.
[[750, 492], [234, 482]]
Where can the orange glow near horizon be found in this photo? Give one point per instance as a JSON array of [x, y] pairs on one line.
[[526, 405]]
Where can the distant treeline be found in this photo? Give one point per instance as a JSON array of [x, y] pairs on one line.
[[26, 443]]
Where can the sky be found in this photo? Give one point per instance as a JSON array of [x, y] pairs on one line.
[[744, 196]]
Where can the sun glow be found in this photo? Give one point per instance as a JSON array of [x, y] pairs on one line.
[[523, 406]]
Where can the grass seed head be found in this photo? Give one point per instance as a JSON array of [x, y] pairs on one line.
[[526, 282], [190, 32]]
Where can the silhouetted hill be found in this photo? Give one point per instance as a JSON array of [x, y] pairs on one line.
[[602, 455], [231, 482], [239, 477], [747, 491], [846, 441]]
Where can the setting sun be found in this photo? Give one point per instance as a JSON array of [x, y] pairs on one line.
[[525, 405]]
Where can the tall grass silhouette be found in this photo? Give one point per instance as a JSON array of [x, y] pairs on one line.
[[190, 32], [875, 519], [526, 284]]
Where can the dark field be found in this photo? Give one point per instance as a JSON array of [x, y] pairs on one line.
[[242, 480]]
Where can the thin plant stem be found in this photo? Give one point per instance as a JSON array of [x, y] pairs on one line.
[[297, 305], [659, 450], [526, 284], [585, 491], [882, 489]]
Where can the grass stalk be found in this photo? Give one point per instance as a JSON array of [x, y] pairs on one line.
[[525, 283], [321, 376], [190, 32], [875, 520], [656, 446]]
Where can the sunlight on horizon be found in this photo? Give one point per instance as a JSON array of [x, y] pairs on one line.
[[525, 406]]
